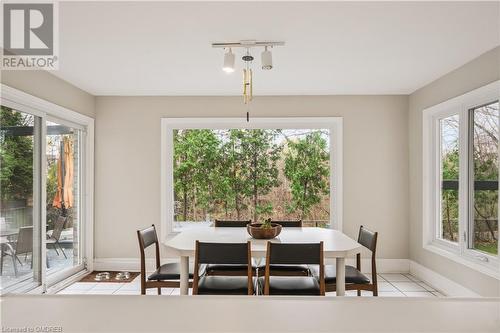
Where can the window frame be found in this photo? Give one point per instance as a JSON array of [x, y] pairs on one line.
[[432, 173], [47, 111], [334, 124]]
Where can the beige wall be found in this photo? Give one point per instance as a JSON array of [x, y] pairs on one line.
[[128, 161], [475, 74], [44, 85]]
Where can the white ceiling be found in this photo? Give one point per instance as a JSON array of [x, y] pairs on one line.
[[163, 48]]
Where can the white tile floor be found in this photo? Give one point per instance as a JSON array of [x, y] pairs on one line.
[[390, 285]]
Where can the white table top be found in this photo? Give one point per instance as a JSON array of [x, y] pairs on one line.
[[335, 243]]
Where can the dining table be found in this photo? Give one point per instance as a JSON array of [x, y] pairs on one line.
[[336, 245]]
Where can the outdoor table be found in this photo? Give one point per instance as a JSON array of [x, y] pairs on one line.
[[335, 245]]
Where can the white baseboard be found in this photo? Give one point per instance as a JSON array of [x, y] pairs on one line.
[[443, 284], [134, 265]]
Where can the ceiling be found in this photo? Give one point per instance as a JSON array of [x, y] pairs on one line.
[[163, 48]]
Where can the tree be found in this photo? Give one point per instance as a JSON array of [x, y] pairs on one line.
[[307, 169], [196, 153], [261, 154], [234, 183], [16, 156]]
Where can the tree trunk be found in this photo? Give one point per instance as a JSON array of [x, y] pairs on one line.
[[255, 196], [450, 229], [304, 196], [184, 211]]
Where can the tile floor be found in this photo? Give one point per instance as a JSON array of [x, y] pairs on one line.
[[390, 285]]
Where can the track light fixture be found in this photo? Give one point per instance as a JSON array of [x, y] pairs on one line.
[[266, 59], [229, 59], [228, 62]]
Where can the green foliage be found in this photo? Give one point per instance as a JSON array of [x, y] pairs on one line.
[[307, 169], [16, 157], [266, 224], [196, 154], [233, 171], [261, 155]]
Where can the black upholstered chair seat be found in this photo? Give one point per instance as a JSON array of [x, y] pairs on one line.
[[352, 275], [170, 271], [292, 285], [223, 285]]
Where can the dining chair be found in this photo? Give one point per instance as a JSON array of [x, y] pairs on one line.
[[289, 223], [354, 279], [286, 270], [231, 223], [53, 239], [223, 253], [293, 254], [166, 275], [228, 269]]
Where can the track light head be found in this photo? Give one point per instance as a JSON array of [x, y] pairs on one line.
[[267, 59], [228, 62]]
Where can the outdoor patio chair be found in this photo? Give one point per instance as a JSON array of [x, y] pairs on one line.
[[354, 279], [223, 254], [166, 275], [53, 239], [293, 254], [23, 245]]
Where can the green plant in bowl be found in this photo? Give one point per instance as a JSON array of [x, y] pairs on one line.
[[266, 224]]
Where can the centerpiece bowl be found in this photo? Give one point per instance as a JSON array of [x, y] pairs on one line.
[[263, 230]]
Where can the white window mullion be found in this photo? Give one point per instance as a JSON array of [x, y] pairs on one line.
[[42, 202], [463, 189]]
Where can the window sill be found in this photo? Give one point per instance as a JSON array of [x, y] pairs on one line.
[[491, 269]]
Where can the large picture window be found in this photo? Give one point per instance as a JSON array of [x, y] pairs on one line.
[[283, 169], [461, 178]]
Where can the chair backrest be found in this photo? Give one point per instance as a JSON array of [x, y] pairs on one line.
[[294, 254], [148, 237], [58, 228], [24, 240], [368, 238], [223, 253], [289, 223], [232, 223]]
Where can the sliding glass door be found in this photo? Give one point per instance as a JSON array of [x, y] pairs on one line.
[[43, 201], [19, 195], [63, 193]]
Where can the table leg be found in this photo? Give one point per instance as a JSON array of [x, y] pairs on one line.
[[184, 287], [340, 281]]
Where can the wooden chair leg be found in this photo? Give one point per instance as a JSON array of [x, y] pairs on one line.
[[159, 291], [359, 292], [143, 289]]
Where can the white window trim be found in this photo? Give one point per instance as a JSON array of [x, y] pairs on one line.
[[334, 124], [48, 111], [431, 180]]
